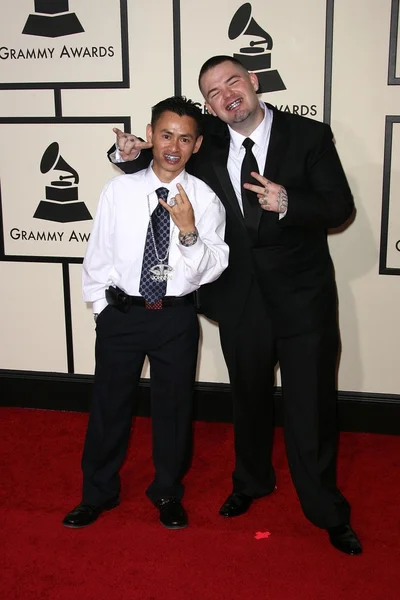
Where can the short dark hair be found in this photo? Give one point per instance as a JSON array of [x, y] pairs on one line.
[[214, 61], [180, 106]]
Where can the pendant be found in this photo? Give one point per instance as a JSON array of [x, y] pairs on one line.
[[161, 272]]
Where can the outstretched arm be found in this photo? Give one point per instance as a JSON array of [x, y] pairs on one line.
[[130, 153]]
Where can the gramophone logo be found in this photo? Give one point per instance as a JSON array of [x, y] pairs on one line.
[[62, 204], [52, 19], [256, 56]]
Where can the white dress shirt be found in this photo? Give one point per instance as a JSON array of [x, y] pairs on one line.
[[237, 151], [114, 253]]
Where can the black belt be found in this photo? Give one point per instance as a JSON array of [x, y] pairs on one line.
[[122, 301]]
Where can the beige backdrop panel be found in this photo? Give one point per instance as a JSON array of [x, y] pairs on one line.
[[398, 48], [150, 29], [24, 233], [83, 325], [393, 250], [297, 55], [27, 103], [91, 52], [211, 365], [361, 99], [32, 330]]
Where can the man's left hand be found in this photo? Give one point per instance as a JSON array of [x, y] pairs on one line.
[[271, 196], [181, 211]]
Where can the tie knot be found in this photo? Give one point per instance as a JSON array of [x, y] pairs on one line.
[[162, 193], [248, 144]]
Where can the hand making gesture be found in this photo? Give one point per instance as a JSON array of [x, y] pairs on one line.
[[129, 145], [271, 196], [181, 211]]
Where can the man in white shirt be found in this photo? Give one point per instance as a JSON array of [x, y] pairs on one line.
[[157, 236]]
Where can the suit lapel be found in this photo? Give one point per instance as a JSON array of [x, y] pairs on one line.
[[277, 145], [220, 152]]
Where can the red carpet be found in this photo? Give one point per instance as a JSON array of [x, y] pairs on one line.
[[128, 555]]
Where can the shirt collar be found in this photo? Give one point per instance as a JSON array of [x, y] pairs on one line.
[[259, 135], [153, 182]]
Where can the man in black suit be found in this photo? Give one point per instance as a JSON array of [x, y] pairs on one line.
[[276, 301]]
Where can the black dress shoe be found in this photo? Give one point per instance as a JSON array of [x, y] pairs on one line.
[[85, 514], [236, 504], [172, 513], [344, 539]]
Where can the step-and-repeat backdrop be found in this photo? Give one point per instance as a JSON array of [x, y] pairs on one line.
[[71, 70]]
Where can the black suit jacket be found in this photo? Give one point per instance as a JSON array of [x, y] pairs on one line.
[[289, 261]]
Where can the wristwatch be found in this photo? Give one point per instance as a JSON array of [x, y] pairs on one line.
[[189, 238]]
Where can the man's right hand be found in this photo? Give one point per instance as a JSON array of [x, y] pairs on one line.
[[129, 145]]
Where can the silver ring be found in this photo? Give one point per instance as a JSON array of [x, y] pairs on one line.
[[172, 202], [263, 200]]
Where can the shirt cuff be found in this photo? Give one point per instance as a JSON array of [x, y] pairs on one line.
[[281, 215], [192, 251], [99, 305], [115, 156]]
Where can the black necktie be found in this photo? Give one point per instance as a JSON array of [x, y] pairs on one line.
[[251, 206]]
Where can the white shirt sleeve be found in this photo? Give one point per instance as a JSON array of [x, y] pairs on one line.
[[208, 257], [281, 215], [98, 261]]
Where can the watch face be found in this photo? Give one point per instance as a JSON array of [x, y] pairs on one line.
[[188, 239]]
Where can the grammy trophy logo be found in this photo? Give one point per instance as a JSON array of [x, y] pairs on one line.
[[255, 57], [52, 19], [61, 204]]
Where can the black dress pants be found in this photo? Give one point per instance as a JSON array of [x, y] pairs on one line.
[[308, 371], [169, 337]]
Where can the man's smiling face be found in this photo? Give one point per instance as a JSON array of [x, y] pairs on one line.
[[174, 139], [230, 94]]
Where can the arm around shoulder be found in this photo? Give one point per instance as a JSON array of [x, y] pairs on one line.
[[130, 166]]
